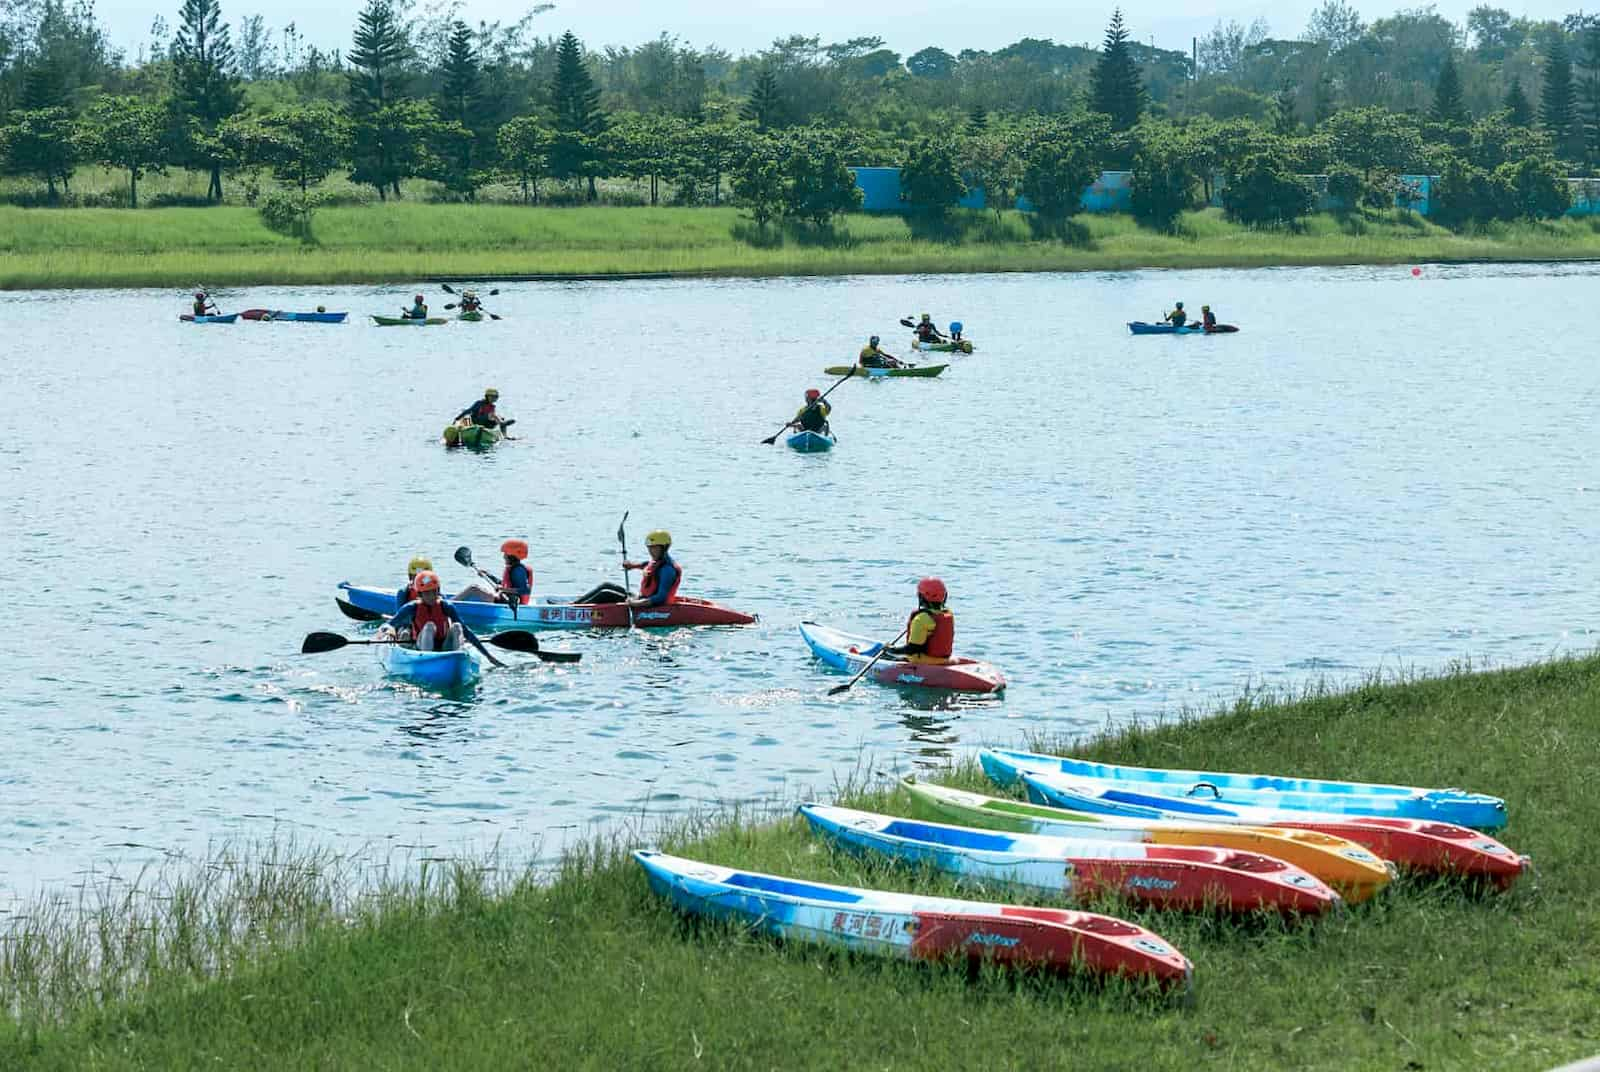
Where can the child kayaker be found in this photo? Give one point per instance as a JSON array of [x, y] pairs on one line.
[[482, 411], [202, 304], [1208, 318], [813, 416], [429, 623], [418, 310], [1177, 318], [417, 564], [931, 629], [661, 578], [516, 582]]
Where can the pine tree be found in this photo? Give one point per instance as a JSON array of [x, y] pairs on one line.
[[1115, 88], [1448, 107], [1558, 101], [1516, 103], [1591, 91], [576, 103], [44, 86], [1324, 103], [977, 119], [205, 80], [461, 101], [377, 81], [1284, 121], [765, 106]]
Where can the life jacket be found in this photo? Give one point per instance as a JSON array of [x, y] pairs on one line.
[[814, 417], [422, 615], [483, 413], [1210, 319], [408, 594], [926, 331], [943, 640], [647, 582], [506, 583], [1177, 317], [200, 308]]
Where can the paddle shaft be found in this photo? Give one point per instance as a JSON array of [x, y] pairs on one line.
[[882, 651], [774, 437], [627, 585]]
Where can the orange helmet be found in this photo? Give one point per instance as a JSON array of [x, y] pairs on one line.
[[932, 589], [813, 394], [516, 548], [426, 581]]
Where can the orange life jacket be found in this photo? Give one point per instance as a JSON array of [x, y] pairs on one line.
[[647, 582], [505, 583], [423, 615]]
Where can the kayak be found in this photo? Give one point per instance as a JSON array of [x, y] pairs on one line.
[[849, 652], [476, 436], [914, 927], [1346, 866], [305, 318], [810, 442], [406, 321], [1413, 844], [1262, 790], [963, 347], [192, 319], [471, 318], [1139, 327], [439, 669], [1184, 877], [881, 373], [550, 614]]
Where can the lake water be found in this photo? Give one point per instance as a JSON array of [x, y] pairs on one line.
[[1379, 472]]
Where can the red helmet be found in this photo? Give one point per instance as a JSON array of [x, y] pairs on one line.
[[813, 394], [426, 581], [200, 295], [519, 548], [931, 589], [418, 298]]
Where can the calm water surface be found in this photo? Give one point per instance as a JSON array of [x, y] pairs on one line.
[[1379, 472]]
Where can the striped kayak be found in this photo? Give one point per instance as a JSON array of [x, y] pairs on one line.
[[913, 927], [548, 614], [963, 347], [1419, 845], [919, 371], [1187, 877], [1356, 873], [1139, 327], [850, 652], [810, 442], [1264, 790], [437, 669], [406, 321], [190, 318]]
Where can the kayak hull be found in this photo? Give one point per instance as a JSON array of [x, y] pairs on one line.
[[1354, 871], [1260, 790], [850, 652], [920, 372], [912, 927], [963, 347], [189, 318], [1139, 327], [471, 318], [435, 669], [810, 443], [280, 315], [1185, 878], [475, 436], [407, 322], [683, 611]]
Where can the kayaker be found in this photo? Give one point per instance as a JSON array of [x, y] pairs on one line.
[[931, 629], [203, 306], [482, 411], [428, 623], [813, 416], [1177, 318], [955, 331], [927, 330], [417, 564], [470, 302], [1208, 318], [516, 582], [418, 310], [872, 357], [659, 584]]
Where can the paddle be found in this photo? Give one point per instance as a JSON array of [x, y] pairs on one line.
[[773, 438], [862, 672], [525, 643], [464, 556], [486, 312], [355, 613], [627, 585]]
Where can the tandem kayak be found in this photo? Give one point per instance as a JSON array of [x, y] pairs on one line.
[[190, 318], [407, 321], [849, 652], [1343, 864], [963, 347], [279, 315], [1139, 327], [914, 927], [880, 373], [1458, 806], [810, 442], [438, 669], [1184, 877], [549, 614]]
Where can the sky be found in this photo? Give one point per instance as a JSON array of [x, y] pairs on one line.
[[905, 25]]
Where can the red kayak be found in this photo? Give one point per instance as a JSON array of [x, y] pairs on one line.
[[851, 653], [683, 610]]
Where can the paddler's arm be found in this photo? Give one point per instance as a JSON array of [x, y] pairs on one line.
[[403, 619], [470, 636]]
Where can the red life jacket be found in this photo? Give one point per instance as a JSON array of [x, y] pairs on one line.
[[424, 614], [505, 583], [647, 582], [943, 640]]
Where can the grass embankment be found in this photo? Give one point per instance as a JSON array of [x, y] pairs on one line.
[[592, 971], [229, 245]]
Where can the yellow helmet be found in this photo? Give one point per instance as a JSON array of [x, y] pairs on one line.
[[491, 394], [658, 538], [420, 562]]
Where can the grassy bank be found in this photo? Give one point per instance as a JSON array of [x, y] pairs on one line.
[[405, 242], [593, 972]]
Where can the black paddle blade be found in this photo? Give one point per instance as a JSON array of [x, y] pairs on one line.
[[559, 656], [491, 315], [516, 640], [355, 613], [622, 535], [767, 442], [317, 643], [447, 288], [493, 294], [464, 556]]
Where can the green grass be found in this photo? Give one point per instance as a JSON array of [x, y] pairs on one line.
[[265, 963], [401, 242]]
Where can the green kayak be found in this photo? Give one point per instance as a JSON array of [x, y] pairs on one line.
[[406, 321], [471, 435], [473, 317], [963, 347], [879, 373]]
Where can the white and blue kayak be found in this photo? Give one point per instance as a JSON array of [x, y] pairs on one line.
[[810, 442], [436, 669], [1322, 796], [1187, 877], [913, 927]]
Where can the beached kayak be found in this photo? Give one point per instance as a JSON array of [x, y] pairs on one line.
[[1186, 877], [1420, 845], [1139, 327], [810, 442], [963, 347], [407, 321], [1354, 871], [914, 927], [921, 371], [1264, 790], [549, 614], [849, 652], [281, 315], [192, 319], [437, 669]]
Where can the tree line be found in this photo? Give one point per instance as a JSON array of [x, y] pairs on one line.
[[468, 107]]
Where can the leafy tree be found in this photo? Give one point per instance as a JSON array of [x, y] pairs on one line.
[[41, 142], [579, 119], [1335, 24], [1516, 104], [1537, 186], [758, 181], [127, 133], [1265, 191], [395, 142], [646, 148], [1373, 138], [1060, 158], [931, 63], [377, 83], [1448, 107], [524, 145], [205, 84], [988, 162], [1464, 194], [257, 57], [765, 106], [1590, 104], [1494, 32], [818, 185], [1558, 99], [1355, 190], [930, 179], [1115, 88], [1164, 179], [305, 143]]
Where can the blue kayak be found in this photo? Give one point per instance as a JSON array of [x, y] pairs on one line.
[[810, 442], [308, 318], [1139, 327], [439, 669], [191, 319]]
